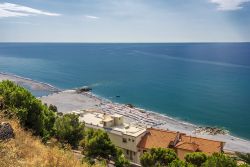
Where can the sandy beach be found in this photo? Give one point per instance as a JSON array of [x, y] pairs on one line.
[[69, 100]]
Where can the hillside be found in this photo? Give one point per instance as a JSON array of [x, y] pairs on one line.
[[27, 150]]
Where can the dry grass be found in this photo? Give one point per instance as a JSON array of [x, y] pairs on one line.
[[26, 150]]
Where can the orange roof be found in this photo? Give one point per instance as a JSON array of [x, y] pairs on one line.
[[187, 146], [161, 138], [205, 145], [157, 138]]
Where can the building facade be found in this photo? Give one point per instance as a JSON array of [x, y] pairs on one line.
[[135, 139], [125, 136]]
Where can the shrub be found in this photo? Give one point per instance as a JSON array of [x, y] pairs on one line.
[[179, 163], [53, 108], [219, 160], [120, 160], [68, 129], [158, 157], [196, 158], [244, 157], [30, 111], [97, 144]]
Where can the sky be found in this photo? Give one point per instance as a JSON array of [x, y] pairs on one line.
[[124, 20]]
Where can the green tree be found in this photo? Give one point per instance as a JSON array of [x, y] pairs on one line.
[[244, 157], [179, 163], [158, 157], [98, 145], [219, 160], [196, 158], [53, 108], [120, 159], [68, 129], [31, 112]]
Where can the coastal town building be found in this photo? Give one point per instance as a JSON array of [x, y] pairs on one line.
[[124, 136], [135, 139], [180, 142]]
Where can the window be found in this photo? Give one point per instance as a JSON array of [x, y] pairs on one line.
[[124, 140], [129, 139], [133, 140], [127, 152]]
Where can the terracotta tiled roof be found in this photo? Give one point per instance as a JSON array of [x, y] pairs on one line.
[[187, 146], [161, 138], [205, 145], [157, 138]]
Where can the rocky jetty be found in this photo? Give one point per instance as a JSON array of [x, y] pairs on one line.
[[6, 131], [83, 89], [210, 130]]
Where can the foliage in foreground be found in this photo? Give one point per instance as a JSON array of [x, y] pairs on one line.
[[179, 163], [44, 121], [30, 111], [97, 144], [38, 117], [26, 150], [158, 157], [219, 160], [68, 129], [167, 157], [244, 157], [197, 158]]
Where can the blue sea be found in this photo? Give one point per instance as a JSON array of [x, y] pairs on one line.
[[201, 83]]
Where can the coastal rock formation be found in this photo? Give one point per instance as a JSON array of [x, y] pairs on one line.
[[211, 130], [130, 105], [83, 89], [6, 131]]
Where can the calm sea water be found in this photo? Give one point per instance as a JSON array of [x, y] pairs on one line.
[[207, 84]]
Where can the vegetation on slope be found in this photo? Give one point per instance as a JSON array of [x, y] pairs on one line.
[[167, 157], [30, 111], [69, 130], [27, 150], [97, 144], [44, 121]]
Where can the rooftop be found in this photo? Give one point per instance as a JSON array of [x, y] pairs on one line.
[[163, 138], [205, 145], [96, 119], [157, 138], [188, 146]]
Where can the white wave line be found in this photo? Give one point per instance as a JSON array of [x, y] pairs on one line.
[[198, 61]]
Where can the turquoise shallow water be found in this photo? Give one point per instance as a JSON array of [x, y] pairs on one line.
[[207, 84]]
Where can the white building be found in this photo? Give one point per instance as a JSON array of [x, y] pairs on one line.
[[122, 135]]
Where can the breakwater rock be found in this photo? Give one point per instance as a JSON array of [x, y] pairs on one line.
[[211, 130]]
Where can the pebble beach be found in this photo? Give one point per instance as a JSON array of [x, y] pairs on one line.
[[71, 100]]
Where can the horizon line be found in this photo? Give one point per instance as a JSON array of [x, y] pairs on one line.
[[57, 42]]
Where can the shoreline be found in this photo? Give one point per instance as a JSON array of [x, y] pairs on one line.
[[33, 83], [69, 100]]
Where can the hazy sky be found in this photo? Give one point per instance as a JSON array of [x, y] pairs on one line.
[[124, 20]]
